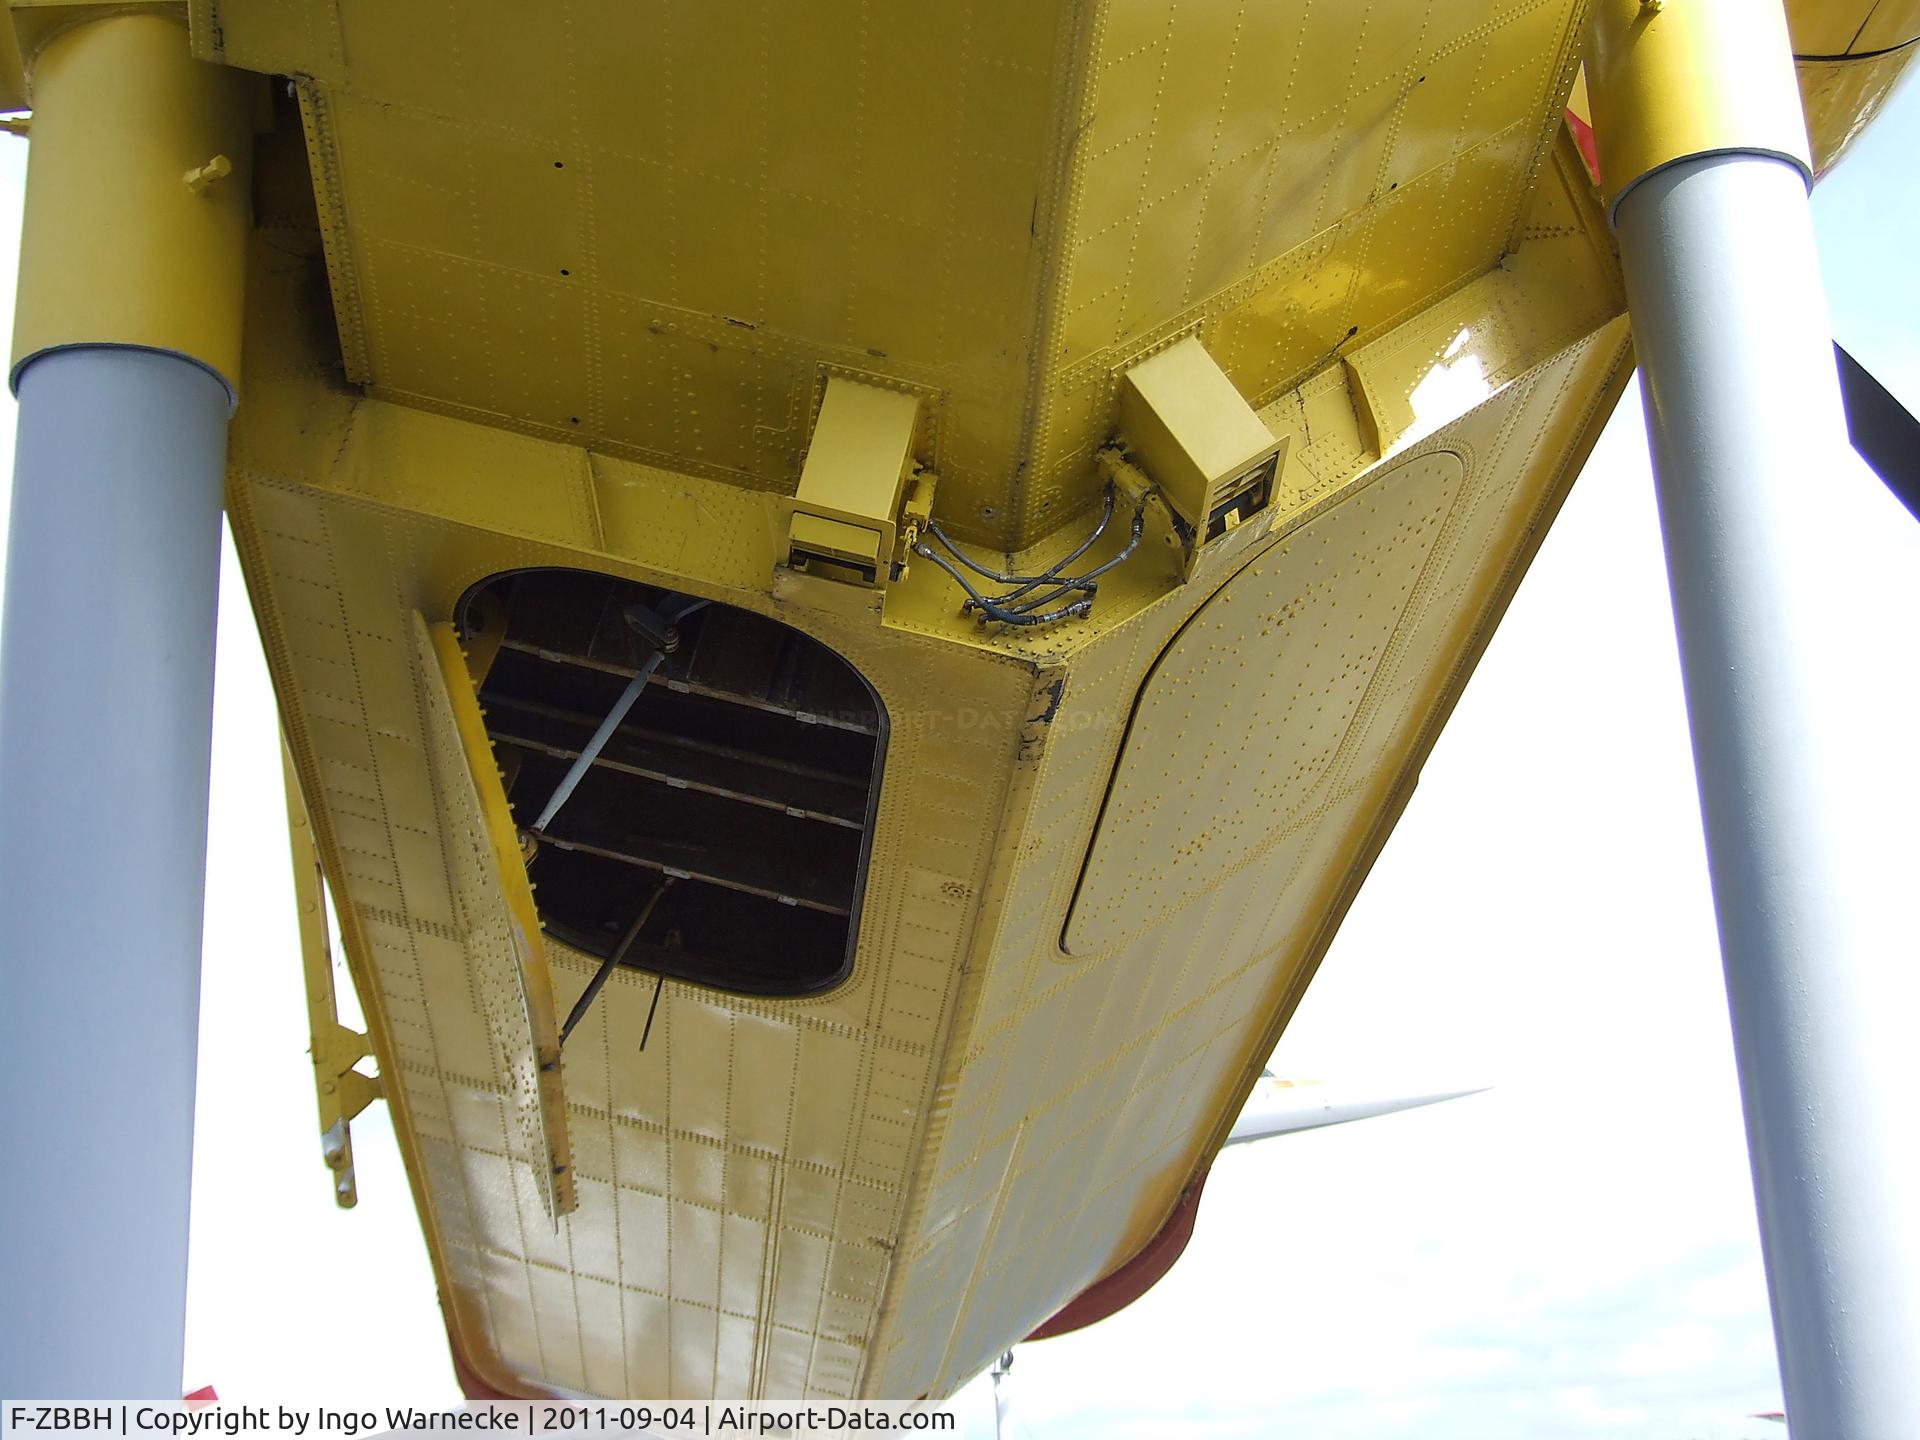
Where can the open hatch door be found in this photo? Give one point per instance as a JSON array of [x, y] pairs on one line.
[[497, 915]]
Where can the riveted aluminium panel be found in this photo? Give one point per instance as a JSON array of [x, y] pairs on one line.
[[1093, 1085], [499, 925], [872, 1190], [740, 1177], [1285, 180], [654, 229], [745, 1180], [650, 228], [1242, 724]]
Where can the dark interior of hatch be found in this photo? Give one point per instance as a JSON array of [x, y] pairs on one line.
[[694, 783]]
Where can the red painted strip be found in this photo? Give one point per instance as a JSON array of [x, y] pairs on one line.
[[1133, 1279], [1583, 137], [472, 1385]]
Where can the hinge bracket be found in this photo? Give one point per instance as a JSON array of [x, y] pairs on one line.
[[342, 1091]]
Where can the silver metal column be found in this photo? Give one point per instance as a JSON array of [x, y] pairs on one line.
[[126, 360], [106, 693], [1743, 410]]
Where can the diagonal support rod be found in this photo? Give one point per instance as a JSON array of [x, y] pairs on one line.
[[583, 762], [612, 962]]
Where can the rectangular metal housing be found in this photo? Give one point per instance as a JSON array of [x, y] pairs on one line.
[[1196, 435]]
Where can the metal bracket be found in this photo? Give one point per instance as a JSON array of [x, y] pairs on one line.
[[342, 1091]]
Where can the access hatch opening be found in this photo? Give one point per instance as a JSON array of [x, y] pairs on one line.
[[728, 812]]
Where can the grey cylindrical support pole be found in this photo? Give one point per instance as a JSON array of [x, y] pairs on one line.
[[1743, 410], [106, 692]]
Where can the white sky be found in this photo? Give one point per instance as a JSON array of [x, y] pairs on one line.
[[1573, 1254]]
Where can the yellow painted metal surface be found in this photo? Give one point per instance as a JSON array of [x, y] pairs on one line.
[[1670, 81], [1893, 23], [874, 1190], [1829, 29], [125, 114], [341, 1089], [575, 286], [1844, 71], [13, 71], [1842, 98], [1097, 1080], [1848, 54], [687, 215], [1238, 733], [495, 919], [566, 288]]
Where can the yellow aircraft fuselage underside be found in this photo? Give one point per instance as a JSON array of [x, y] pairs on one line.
[[876, 1190], [563, 286]]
